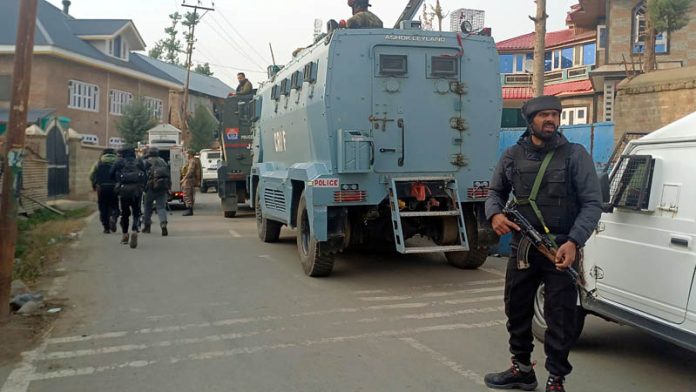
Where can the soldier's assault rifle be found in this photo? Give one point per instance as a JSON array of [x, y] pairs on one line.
[[540, 241]]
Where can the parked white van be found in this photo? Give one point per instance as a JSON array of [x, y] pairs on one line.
[[640, 263], [210, 161]]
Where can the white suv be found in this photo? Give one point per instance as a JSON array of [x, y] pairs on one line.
[[640, 263]]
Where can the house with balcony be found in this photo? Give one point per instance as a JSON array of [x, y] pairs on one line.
[[571, 54]]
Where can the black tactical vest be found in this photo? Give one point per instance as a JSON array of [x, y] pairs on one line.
[[557, 200]]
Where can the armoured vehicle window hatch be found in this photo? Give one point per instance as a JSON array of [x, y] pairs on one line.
[[393, 64], [444, 67]]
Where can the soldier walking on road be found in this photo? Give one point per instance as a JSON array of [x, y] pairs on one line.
[[107, 200], [129, 175], [556, 188], [156, 190], [362, 18], [191, 179]]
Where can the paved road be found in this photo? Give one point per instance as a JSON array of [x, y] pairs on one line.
[[211, 308]]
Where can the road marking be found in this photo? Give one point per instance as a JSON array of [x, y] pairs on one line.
[[438, 357], [493, 271], [262, 348], [247, 320], [139, 347], [235, 234], [21, 376], [433, 294]]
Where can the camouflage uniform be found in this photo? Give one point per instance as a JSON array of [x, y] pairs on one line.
[[364, 20], [191, 180]]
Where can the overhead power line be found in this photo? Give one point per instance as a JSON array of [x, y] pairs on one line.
[[223, 34], [265, 60]]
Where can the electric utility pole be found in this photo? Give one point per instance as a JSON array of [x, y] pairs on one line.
[[539, 47], [189, 59], [14, 148]]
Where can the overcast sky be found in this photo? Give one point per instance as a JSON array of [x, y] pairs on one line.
[[236, 36]]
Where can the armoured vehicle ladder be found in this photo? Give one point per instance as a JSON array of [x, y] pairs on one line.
[[398, 216]]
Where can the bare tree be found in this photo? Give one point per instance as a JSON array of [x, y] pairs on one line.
[[438, 13], [427, 18], [539, 47]]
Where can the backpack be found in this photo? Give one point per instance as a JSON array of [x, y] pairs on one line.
[[158, 176], [103, 174], [131, 173]]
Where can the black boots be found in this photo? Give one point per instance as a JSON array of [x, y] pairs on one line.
[[134, 240], [163, 226], [518, 376], [555, 384], [188, 212], [112, 223], [146, 228]]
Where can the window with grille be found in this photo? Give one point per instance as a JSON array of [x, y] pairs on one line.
[[156, 107], [83, 96], [631, 182], [118, 100]]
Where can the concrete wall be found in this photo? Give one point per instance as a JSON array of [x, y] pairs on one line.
[[49, 89], [651, 101], [81, 159], [682, 43]]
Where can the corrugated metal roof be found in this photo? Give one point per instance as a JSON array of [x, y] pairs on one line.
[[207, 85], [553, 39], [577, 87]]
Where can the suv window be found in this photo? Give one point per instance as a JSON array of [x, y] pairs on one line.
[[631, 182]]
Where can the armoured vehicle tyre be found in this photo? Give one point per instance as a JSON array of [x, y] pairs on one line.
[[475, 256], [269, 230], [204, 189], [471, 259], [316, 260], [230, 214], [539, 323]]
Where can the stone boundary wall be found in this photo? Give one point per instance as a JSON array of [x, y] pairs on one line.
[[650, 101]]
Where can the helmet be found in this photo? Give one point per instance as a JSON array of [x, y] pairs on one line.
[[538, 104], [153, 152]]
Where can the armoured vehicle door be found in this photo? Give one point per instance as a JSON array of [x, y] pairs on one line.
[[415, 108], [236, 134]]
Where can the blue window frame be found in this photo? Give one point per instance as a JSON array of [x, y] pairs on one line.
[[506, 61], [566, 58], [547, 61], [589, 52]]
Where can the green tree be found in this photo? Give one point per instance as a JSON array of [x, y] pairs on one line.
[[664, 16], [203, 69], [169, 48], [136, 120], [202, 127]]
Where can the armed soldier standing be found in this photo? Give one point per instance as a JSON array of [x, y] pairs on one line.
[[556, 187], [107, 199], [191, 179], [362, 18]]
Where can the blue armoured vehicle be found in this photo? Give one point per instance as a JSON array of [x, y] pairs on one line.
[[374, 136], [235, 141]]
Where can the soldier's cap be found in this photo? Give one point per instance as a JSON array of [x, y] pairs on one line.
[[153, 152], [108, 151], [538, 104], [364, 3]]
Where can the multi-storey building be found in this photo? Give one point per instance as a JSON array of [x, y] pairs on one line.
[[85, 70]]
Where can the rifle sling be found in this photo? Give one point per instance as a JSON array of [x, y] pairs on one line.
[[535, 191]]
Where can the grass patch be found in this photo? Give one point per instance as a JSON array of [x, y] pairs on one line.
[[42, 238]]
